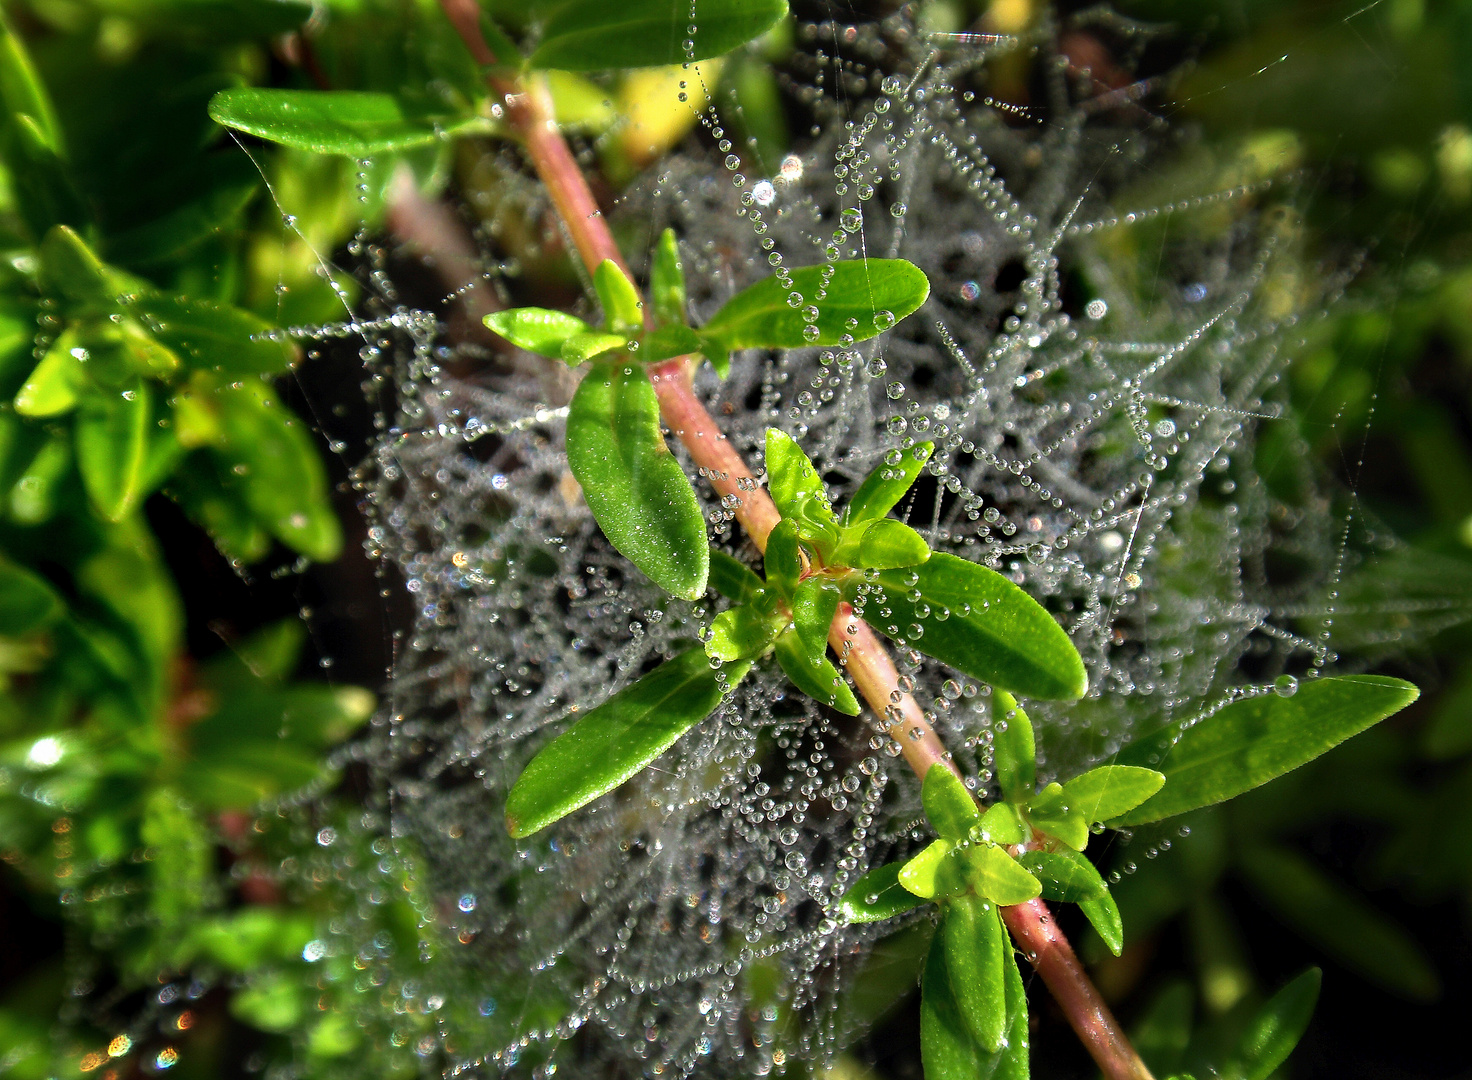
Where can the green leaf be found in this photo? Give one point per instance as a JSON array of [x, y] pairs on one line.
[[667, 281], [1339, 921], [70, 267], [182, 863], [1110, 790], [1013, 748], [994, 631], [40, 181], [1066, 876], [856, 298], [1049, 812], [112, 445], [883, 488], [272, 458], [919, 874], [815, 676], [668, 341], [796, 487], [998, 876], [582, 347], [733, 579], [948, 1051], [616, 740], [976, 949], [636, 489], [949, 807], [33, 497], [782, 563], [1002, 824], [22, 90], [878, 895], [27, 600], [592, 35], [1163, 1033], [1275, 1030], [621, 307], [214, 337], [349, 122], [1103, 915], [1251, 741], [538, 330], [888, 544], [814, 603], [52, 387], [741, 633]]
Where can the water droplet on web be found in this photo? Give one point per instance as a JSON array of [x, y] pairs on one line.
[[1285, 686]]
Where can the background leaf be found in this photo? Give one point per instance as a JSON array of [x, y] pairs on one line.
[[590, 35], [1275, 1030]]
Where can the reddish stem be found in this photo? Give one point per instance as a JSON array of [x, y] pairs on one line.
[[530, 114], [1035, 930]]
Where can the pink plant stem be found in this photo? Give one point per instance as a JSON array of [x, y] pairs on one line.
[[1032, 926], [1036, 932]]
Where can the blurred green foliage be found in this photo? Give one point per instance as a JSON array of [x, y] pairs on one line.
[[143, 267]]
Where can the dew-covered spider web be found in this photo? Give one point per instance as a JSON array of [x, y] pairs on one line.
[[1094, 364]]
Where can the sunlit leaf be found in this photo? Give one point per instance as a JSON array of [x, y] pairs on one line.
[[993, 631], [538, 330], [948, 1050], [1066, 876], [1111, 790], [949, 807], [888, 544], [918, 875], [883, 488], [592, 35], [1013, 748], [814, 603], [976, 951], [581, 348], [621, 307], [878, 895], [1103, 915], [353, 123], [998, 876], [636, 489], [815, 676], [796, 487], [667, 280], [856, 298], [1001, 824], [616, 740], [668, 341], [782, 563], [741, 633], [52, 387], [1049, 811], [1251, 741]]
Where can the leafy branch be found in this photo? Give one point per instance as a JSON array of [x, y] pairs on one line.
[[823, 572]]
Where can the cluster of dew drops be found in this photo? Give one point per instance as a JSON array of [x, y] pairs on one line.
[[1093, 444]]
